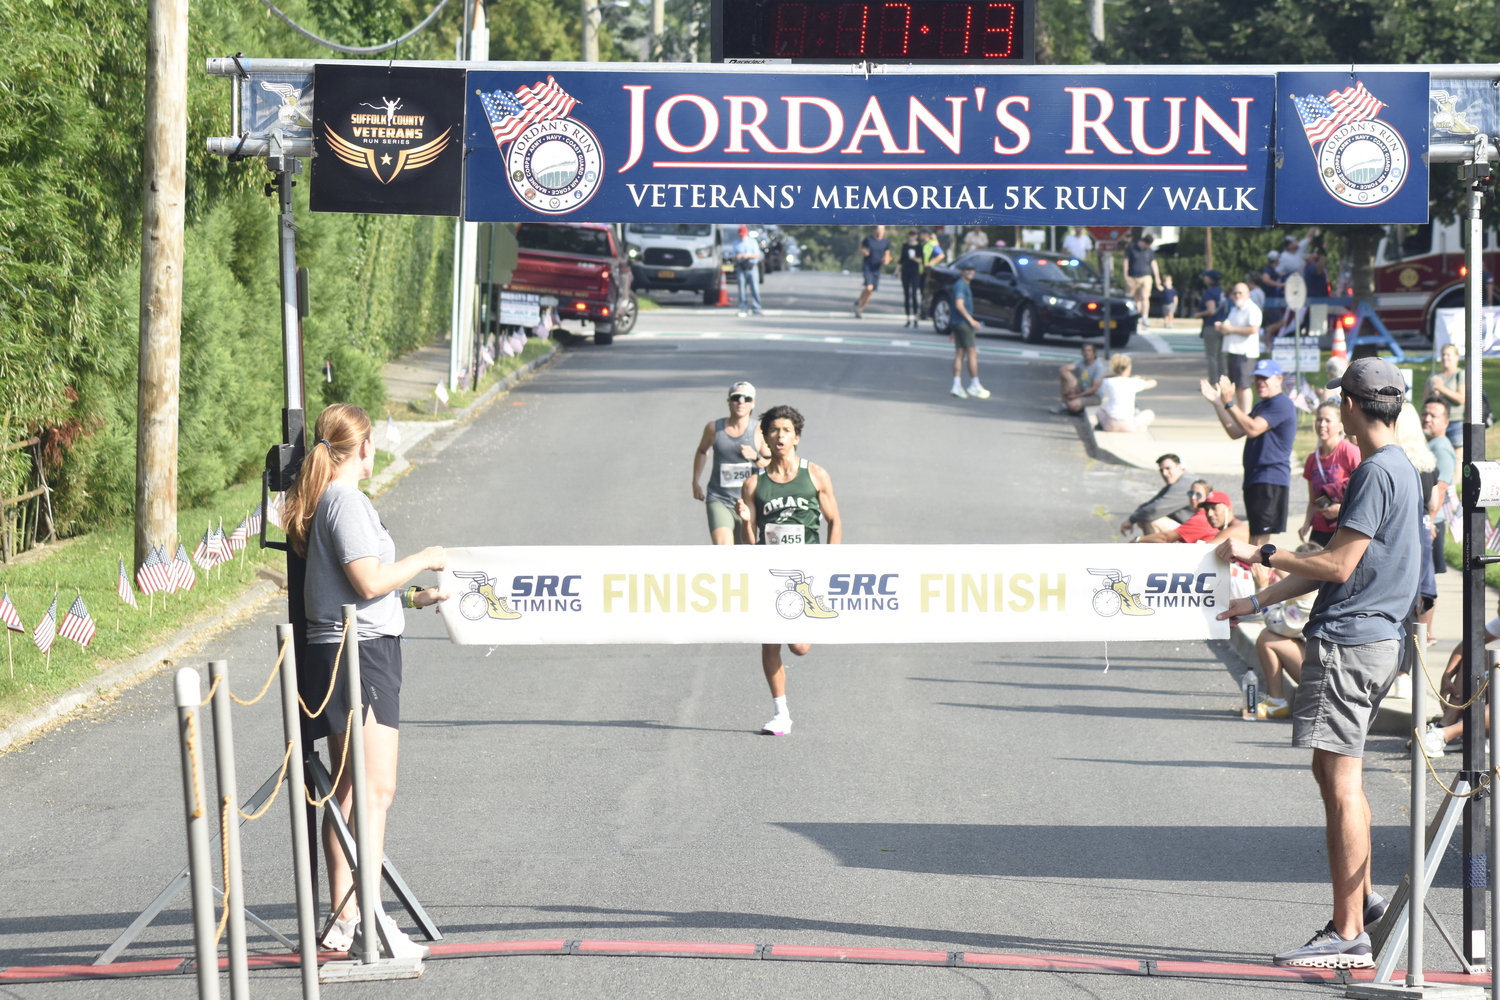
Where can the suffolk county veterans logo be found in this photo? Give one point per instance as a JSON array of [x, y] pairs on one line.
[[554, 163], [1113, 595], [796, 599], [386, 139], [481, 601], [1362, 161]]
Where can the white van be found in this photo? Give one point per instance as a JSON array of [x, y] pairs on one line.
[[676, 256]]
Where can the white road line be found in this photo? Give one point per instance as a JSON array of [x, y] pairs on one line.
[[833, 340], [771, 336], [1157, 342]]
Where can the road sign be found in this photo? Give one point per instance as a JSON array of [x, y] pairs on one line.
[[1108, 239], [1295, 292]]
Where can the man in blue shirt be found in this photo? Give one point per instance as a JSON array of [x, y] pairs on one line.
[[1367, 583], [1268, 431], [747, 271], [1213, 308], [961, 335]]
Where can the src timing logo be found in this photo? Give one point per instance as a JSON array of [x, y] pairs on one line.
[[1362, 161], [480, 600], [381, 127], [1163, 590], [554, 164], [797, 599]]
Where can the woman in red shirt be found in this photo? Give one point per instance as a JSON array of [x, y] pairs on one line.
[[1327, 471]]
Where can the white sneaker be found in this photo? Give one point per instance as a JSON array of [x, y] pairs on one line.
[[340, 936], [958, 391], [781, 725], [1433, 742], [743, 313], [979, 392], [1402, 687], [401, 945]]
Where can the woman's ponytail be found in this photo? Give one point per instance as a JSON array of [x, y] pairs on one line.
[[338, 434]]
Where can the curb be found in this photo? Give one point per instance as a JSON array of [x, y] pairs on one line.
[[401, 465], [129, 673]]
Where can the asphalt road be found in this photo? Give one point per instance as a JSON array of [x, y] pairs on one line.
[[981, 797]]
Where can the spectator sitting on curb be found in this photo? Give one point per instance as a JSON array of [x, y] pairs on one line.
[[1215, 522], [1117, 411], [1170, 506], [1280, 646], [1080, 381], [1451, 726]]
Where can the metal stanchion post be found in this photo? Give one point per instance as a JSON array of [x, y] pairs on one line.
[[187, 686], [307, 912], [229, 800], [367, 871], [1415, 922]]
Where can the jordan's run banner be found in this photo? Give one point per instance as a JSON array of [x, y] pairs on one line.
[[834, 593]]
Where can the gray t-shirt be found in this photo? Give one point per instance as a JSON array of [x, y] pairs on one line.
[[1447, 462], [1383, 501], [346, 528]]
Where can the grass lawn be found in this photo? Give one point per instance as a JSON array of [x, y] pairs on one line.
[[89, 565]]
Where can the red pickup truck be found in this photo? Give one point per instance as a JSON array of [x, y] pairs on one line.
[[582, 264]]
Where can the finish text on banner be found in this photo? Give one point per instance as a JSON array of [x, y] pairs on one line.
[[833, 593], [902, 148]]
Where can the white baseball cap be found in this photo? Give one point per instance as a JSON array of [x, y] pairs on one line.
[[742, 389]]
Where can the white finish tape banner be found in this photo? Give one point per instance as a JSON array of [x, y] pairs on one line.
[[833, 593]]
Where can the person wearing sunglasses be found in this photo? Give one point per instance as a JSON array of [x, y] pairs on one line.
[[739, 450]]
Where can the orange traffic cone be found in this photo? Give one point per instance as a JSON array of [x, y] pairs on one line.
[[1340, 349], [723, 294]]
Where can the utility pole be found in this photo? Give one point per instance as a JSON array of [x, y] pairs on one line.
[[591, 30], [1096, 20], [658, 28], [473, 44], [164, 166]]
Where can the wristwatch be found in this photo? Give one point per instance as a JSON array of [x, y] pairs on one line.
[[1266, 552]]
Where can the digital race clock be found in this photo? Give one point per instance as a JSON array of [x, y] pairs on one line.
[[890, 31]]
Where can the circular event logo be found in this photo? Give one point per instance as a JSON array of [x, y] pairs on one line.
[[555, 166], [1363, 163]]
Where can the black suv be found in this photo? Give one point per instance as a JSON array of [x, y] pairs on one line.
[[1034, 294]]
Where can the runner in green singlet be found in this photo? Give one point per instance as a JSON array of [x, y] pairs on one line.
[[783, 505]]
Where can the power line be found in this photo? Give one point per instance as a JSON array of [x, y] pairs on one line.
[[355, 50]]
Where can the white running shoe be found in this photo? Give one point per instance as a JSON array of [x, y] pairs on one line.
[[340, 936], [1433, 742], [979, 392], [781, 725], [958, 391], [401, 945]]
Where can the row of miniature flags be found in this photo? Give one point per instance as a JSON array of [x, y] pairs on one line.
[[76, 624]]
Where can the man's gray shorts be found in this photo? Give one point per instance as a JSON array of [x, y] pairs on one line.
[[1341, 690]]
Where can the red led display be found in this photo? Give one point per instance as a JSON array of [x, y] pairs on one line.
[[916, 30]]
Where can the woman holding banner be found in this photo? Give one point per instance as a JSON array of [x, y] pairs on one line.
[[351, 559], [784, 504]]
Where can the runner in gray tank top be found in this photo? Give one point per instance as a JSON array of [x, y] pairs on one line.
[[738, 449]]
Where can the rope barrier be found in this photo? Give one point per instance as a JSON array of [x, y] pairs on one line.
[[333, 680], [343, 760], [192, 742], [213, 689], [1419, 747], [1422, 659], [224, 855], [280, 656], [280, 777]]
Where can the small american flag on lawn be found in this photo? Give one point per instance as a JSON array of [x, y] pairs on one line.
[[8, 613], [240, 536], [46, 629], [511, 114], [204, 555], [222, 551], [1492, 538], [123, 588], [1322, 116], [152, 577], [273, 511], [76, 624], [183, 575]]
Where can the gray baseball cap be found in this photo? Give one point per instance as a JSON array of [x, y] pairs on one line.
[[1375, 379], [742, 389]]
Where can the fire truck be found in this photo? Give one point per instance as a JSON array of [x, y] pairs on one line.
[[1421, 269]]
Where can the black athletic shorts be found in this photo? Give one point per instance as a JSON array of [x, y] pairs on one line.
[[1265, 508], [1439, 557], [379, 675], [1238, 367]]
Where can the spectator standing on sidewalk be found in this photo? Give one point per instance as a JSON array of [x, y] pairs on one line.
[[747, 271], [1240, 334], [876, 250], [1315, 274], [1171, 505], [1211, 310], [932, 255], [1078, 243], [1269, 430], [1446, 385], [961, 330], [1140, 271], [1168, 301], [1435, 427], [1117, 409], [1327, 471], [911, 277], [1080, 381], [975, 239], [1365, 582]]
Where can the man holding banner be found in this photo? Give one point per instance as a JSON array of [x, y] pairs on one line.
[[783, 505], [1367, 584]]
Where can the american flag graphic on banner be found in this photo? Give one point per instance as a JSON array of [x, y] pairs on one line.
[[511, 114], [76, 624], [8, 613], [46, 629], [152, 577], [124, 589], [1322, 116], [182, 573]]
